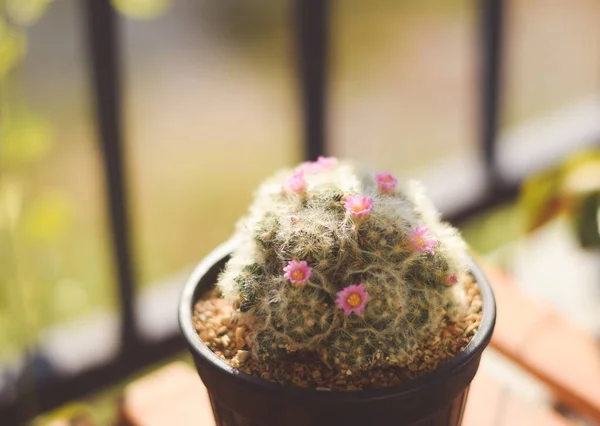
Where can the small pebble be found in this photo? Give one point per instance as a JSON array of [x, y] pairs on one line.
[[225, 340], [240, 333], [471, 328], [243, 356]]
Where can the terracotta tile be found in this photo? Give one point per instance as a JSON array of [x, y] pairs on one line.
[[496, 276], [568, 361], [556, 351], [173, 395], [483, 403], [517, 315], [490, 404], [518, 413]]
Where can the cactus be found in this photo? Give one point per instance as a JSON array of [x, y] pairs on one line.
[[352, 266]]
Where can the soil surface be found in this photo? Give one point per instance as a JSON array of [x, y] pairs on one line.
[[213, 320]]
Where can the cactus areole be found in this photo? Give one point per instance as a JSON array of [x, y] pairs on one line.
[[351, 265]]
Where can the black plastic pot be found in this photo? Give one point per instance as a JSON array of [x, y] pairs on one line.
[[238, 399]]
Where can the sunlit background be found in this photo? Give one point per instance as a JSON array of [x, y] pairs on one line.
[[211, 107]]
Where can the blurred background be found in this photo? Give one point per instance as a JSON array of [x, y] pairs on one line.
[[133, 133]]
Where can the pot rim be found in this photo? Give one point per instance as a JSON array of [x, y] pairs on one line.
[[473, 350]]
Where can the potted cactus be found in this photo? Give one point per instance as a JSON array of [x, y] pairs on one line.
[[342, 299]]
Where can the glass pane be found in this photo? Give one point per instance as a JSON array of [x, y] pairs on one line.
[[55, 265], [404, 81], [552, 56], [211, 110]]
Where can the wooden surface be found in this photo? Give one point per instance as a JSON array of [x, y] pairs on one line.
[[173, 395], [557, 352], [490, 404]]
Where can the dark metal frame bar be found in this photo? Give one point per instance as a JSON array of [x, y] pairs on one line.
[[103, 38], [311, 20], [491, 25]]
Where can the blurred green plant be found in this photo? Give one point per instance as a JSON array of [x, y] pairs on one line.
[[13, 46], [26, 12], [48, 274], [491, 230], [142, 9], [26, 137], [572, 190], [32, 217], [32, 220]]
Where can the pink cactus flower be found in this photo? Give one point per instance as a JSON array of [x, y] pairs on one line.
[[297, 272], [450, 279], [358, 205], [309, 167], [297, 183], [386, 182], [352, 299], [294, 219], [421, 241], [327, 162], [322, 163]]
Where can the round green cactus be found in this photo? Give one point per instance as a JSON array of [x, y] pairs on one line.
[[347, 264]]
